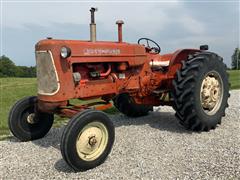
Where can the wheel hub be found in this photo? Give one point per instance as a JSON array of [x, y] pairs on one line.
[[92, 141], [211, 92], [31, 118]]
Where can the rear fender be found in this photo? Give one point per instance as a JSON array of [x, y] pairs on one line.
[[177, 58]]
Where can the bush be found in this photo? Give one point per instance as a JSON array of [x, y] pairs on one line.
[[9, 69]]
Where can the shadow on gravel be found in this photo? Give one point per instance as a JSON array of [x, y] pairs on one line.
[[164, 121], [61, 166], [12, 139], [52, 139]]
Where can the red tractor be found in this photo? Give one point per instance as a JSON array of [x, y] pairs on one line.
[[135, 77]]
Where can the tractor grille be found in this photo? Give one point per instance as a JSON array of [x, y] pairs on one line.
[[47, 77]]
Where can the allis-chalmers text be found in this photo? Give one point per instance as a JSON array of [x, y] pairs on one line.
[[101, 51]]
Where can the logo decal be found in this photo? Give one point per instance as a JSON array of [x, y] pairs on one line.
[[101, 51]]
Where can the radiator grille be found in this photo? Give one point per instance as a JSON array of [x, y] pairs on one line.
[[47, 78]]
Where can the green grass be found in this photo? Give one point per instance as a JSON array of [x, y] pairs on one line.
[[13, 89], [234, 78]]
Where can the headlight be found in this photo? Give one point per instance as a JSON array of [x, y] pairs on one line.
[[65, 52]]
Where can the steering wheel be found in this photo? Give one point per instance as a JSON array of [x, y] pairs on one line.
[[155, 49]]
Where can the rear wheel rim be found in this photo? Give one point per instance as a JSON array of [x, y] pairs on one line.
[[211, 93], [92, 141]]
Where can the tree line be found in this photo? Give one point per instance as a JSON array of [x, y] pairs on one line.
[[9, 69]]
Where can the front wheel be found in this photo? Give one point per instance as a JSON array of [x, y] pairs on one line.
[[201, 91], [26, 124], [87, 140]]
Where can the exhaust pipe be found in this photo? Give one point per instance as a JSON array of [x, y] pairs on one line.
[[93, 32], [119, 23]]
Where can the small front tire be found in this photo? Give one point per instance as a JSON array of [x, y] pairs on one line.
[[25, 124], [87, 140]]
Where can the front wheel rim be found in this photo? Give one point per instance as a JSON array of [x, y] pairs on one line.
[[31, 118], [92, 141], [211, 93]]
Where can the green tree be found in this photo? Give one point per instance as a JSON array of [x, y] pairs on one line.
[[7, 67], [236, 59], [32, 71]]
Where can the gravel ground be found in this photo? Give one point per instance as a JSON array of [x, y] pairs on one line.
[[151, 147]]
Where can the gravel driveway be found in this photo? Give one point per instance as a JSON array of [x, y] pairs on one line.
[[151, 147]]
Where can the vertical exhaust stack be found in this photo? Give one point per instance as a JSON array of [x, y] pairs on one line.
[[93, 32], [120, 23]]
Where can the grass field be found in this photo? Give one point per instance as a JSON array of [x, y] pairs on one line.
[[13, 89], [234, 78]]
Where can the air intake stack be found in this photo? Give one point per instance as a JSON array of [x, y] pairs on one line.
[[93, 32]]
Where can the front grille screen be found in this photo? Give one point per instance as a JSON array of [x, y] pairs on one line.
[[46, 73]]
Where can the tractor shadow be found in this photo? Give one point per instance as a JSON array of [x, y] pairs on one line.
[[62, 166], [163, 121], [162, 118], [52, 139]]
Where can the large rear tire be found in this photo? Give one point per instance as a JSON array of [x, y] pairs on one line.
[[201, 91], [126, 105], [25, 124], [87, 140]]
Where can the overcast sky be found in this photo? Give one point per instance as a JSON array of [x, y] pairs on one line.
[[173, 25]]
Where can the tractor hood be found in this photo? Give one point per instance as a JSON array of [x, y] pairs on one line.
[[89, 51]]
